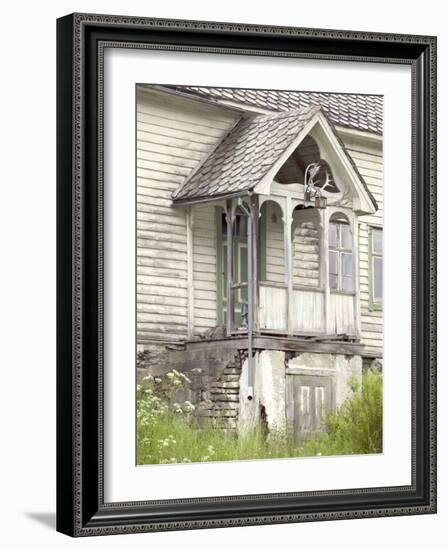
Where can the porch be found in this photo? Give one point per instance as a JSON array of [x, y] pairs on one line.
[[285, 269]]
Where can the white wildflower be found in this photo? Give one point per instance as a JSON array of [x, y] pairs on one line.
[[188, 407]]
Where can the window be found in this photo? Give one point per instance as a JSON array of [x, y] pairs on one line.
[[340, 256], [376, 266]]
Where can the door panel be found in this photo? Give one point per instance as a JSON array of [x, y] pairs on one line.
[[239, 276], [308, 399]]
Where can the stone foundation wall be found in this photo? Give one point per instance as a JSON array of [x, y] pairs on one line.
[[215, 380], [219, 378]]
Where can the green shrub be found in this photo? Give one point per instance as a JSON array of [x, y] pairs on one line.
[[357, 427]]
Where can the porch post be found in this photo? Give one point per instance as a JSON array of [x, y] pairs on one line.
[[324, 267], [229, 270], [357, 297], [255, 276], [287, 224]]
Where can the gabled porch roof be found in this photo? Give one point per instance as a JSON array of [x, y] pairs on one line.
[[245, 155], [252, 151]]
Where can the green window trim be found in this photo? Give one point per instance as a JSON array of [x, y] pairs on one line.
[[374, 305], [221, 262], [341, 256], [220, 266]]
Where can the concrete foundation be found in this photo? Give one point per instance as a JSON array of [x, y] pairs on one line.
[[219, 384], [270, 404]]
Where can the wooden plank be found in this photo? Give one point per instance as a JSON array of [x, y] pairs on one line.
[[175, 136], [309, 311], [180, 265], [149, 121], [150, 149], [281, 344], [164, 248], [163, 218], [272, 308], [162, 290], [219, 119], [163, 251], [158, 236], [163, 167], [342, 314], [158, 175], [145, 139], [190, 279], [188, 109], [151, 299]]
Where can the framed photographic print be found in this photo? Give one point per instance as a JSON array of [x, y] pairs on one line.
[[246, 274]]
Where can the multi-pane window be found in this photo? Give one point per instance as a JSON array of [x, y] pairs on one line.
[[376, 266], [340, 257]]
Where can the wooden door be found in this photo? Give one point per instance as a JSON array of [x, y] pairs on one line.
[[308, 399], [239, 276]]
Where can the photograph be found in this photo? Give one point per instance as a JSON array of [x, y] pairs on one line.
[[246, 274], [258, 274]]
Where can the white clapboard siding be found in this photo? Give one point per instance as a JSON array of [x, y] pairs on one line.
[[305, 250], [369, 160], [275, 247], [174, 135], [371, 319], [204, 268]]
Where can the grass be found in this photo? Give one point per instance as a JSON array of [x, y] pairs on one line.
[[169, 433]]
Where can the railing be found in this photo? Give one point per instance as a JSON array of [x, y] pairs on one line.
[[309, 315], [273, 313], [308, 310], [341, 314]]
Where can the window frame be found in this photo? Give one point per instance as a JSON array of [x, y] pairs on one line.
[[374, 305], [339, 250]]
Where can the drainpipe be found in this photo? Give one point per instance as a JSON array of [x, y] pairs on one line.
[[250, 302]]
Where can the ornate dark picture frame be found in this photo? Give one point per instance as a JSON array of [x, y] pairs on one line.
[[81, 40]]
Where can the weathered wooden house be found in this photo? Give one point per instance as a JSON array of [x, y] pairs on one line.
[[259, 248]]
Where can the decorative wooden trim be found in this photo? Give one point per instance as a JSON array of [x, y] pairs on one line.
[[255, 221], [262, 246], [219, 265], [325, 270], [287, 225], [229, 268]]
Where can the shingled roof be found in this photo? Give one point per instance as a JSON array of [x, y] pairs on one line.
[[245, 155], [360, 112]]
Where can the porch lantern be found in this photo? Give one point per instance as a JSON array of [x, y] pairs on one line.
[[314, 182], [320, 202]]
